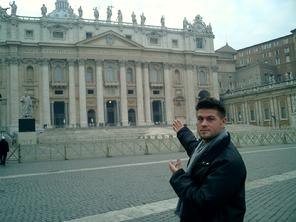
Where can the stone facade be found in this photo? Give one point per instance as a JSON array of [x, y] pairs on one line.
[[83, 72], [258, 83]]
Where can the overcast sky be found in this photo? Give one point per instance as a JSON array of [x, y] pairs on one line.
[[241, 23]]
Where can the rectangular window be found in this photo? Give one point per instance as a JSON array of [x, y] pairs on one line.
[[283, 112], [58, 35], [88, 35], [59, 92], [128, 37], [277, 60], [239, 116], [287, 58], [90, 92], [154, 41], [156, 92], [266, 114], [253, 117], [29, 34], [286, 50], [130, 92], [199, 43], [175, 43]]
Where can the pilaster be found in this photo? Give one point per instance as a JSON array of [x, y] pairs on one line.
[[13, 100], [139, 84], [168, 95], [147, 95], [45, 93], [100, 93], [123, 95], [190, 98], [82, 94], [72, 94]]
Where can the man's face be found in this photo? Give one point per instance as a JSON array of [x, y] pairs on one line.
[[209, 123]]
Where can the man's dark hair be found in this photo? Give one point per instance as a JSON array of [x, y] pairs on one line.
[[211, 103]]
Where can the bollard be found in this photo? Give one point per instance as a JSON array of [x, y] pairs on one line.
[[65, 152], [284, 139], [19, 153], [108, 153], [146, 148]]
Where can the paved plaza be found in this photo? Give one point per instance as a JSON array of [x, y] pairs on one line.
[[136, 188]]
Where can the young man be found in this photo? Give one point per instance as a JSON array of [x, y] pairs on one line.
[[212, 188]]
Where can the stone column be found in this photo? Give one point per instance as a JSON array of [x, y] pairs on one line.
[[82, 96], [72, 95], [272, 111], [215, 82], [139, 85], [292, 110], [13, 101], [247, 113], [261, 120], [257, 112], [276, 112], [100, 93], [147, 95], [45, 107], [190, 98], [168, 95], [123, 95]]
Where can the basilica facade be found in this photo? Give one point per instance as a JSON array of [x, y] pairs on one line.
[[102, 72]]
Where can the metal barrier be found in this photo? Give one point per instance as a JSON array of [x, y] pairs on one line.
[[135, 146]]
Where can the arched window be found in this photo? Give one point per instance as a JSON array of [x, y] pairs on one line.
[[177, 76], [129, 75], [30, 74], [110, 77], [156, 73], [58, 75], [203, 78], [89, 77]]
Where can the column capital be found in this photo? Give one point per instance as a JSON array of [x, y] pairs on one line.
[[146, 64], [71, 61], [215, 68], [138, 63], [81, 61], [189, 66], [167, 65], [99, 61], [43, 61], [122, 62], [12, 61]]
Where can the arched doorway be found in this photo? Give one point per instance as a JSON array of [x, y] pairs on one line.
[[132, 117], [91, 117], [157, 112], [111, 106]]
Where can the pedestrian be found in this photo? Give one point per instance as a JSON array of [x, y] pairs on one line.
[[212, 188], [4, 149]]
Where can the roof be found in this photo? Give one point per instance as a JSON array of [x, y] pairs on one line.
[[226, 49]]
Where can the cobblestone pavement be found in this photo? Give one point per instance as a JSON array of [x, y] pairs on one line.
[[67, 190]]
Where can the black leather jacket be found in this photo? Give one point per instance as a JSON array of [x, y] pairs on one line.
[[215, 188]]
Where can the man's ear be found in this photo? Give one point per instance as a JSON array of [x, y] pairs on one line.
[[224, 120]]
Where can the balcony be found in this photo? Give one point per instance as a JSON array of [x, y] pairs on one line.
[[156, 85], [58, 85]]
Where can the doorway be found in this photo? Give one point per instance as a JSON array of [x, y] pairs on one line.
[[59, 114], [157, 112]]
